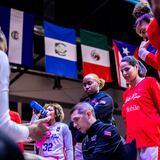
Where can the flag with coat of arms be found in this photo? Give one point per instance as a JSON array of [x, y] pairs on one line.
[[60, 50], [18, 28], [95, 56], [122, 49]]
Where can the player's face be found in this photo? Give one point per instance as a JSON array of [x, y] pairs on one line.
[[129, 72], [141, 30], [80, 121], [51, 113], [90, 85]]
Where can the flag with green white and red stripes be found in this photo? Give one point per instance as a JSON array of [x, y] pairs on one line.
[[95, 56]]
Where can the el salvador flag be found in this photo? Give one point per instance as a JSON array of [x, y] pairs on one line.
[[60, 50], [18, 28], [122, 49]]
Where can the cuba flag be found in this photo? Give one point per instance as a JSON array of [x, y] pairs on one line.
[[18, 28], [60, 50], [122, 49]]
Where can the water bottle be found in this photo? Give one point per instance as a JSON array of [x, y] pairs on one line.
[[35, 105]]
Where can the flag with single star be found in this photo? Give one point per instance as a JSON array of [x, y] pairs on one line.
[[95, 56], [122, 49]]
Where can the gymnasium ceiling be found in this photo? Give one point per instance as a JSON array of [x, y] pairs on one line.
[[109, 17]]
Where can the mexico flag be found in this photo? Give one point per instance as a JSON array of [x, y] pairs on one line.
[[95, 56]]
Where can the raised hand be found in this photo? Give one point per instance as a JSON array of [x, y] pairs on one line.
[[38, 129]]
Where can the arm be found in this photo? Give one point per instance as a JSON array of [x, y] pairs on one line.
[[154, 60], [104, 109], [148, 57], [68, 144], [34, 117], [17, 132], [123, 108], [155, 93]]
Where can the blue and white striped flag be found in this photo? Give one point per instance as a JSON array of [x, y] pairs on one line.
[[18, 28], [60, 50]]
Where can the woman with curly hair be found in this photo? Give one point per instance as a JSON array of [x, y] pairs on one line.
[[57, 145]]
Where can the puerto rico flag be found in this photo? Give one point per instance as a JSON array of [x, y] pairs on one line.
[[122, 49], [18, 29], [60, 50], [95, 56]]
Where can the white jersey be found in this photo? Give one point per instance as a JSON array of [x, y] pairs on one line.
[[59, 145], [17, 132]]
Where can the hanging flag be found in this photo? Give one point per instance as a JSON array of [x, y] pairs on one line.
[[60, 50], [18, 28], [95, 55], [122, 49]]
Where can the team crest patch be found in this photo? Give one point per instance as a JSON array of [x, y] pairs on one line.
[[58, 129], [107, 133], [94, 101], [102, 102], [94, 138], [54, 136]]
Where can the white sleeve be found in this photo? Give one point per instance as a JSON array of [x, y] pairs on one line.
[[68, 144], [34, 118], [17, 132], [143, 53]]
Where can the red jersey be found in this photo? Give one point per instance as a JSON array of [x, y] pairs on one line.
[[141, 113], [153, 32]]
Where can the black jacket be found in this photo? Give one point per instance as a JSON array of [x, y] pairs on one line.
[[103, 107], [103, 142]]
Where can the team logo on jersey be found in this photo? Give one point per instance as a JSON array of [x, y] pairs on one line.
[[54, 136], [58, 129], [107, 133], [94, 101], [102, 102], [94, 138]]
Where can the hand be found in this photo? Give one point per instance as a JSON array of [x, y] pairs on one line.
[[36, 112], [144, 44], [142, 52], [38, 129], [29, 140]]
